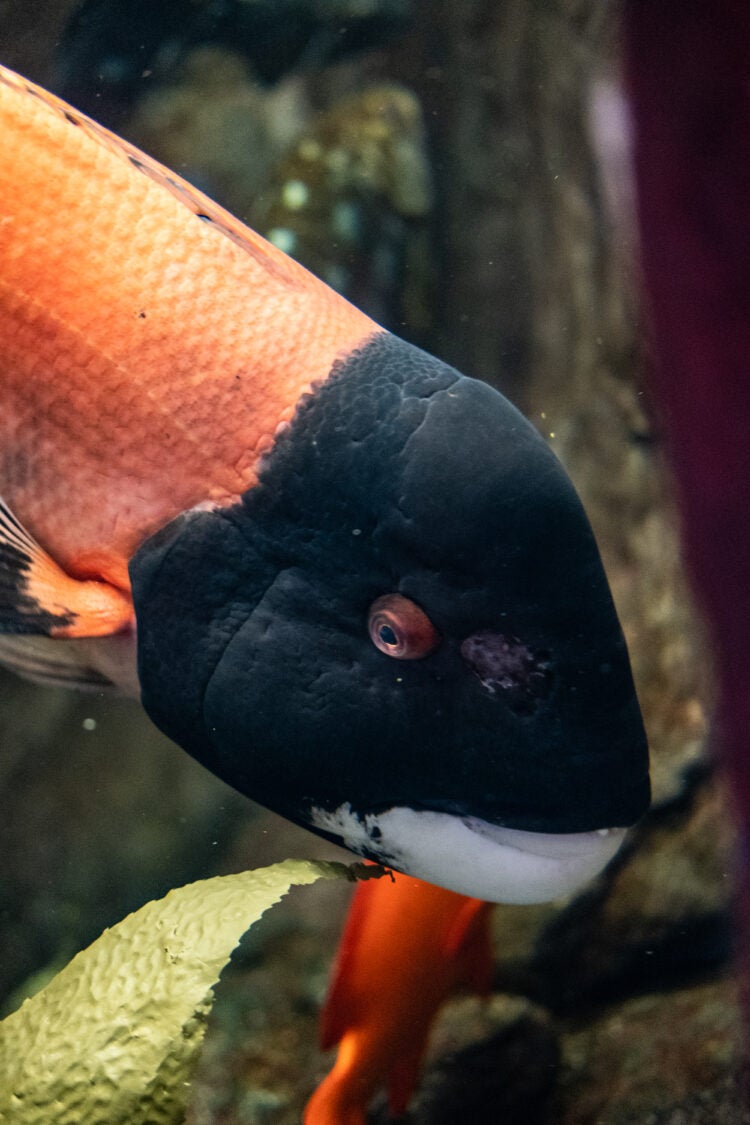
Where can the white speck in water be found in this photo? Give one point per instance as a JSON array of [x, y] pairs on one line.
[[345, 221], [336, 276], [356, 531], [310, 150], [89, 724], [295, 194], [286, 240]]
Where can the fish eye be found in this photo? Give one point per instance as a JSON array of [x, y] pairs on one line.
[[399, 628]]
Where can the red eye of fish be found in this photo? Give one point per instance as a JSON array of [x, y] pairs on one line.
[[399, 628]]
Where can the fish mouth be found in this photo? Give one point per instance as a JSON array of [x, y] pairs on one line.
[[472, 856]]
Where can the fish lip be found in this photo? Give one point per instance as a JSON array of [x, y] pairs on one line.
[[551, 845], [471, 856]]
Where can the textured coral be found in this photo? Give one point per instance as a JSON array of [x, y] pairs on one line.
[[114, 1037]]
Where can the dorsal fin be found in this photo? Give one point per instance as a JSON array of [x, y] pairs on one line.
[[273, 260], [38, 597]]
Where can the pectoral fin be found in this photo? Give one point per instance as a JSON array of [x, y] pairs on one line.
[[37, 597]]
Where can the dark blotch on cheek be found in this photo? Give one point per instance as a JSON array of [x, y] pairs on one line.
[[507, 667]]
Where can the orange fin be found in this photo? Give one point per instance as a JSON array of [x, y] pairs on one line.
[[339, 1011], [38, 597], [405, 948], [265, 253]]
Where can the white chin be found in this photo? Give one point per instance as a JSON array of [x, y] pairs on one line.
[[473, 857]]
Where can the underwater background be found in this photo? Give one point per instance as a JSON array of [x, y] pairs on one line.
[[458, 170]]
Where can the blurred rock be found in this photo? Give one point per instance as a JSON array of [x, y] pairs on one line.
[[493, 1061], [217, 127], [352, 201], [661, 915], [589, 378], [660, 1058], [605, 437], [100, 814], [112, 49]]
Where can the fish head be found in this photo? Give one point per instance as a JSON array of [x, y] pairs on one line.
[[403, 637]]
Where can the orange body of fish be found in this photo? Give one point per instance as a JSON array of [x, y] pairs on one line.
[[147, 360]]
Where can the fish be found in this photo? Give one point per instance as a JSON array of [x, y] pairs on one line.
[[406, 946], [354, 583]]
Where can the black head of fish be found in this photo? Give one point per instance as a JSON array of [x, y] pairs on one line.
[[403, 637]]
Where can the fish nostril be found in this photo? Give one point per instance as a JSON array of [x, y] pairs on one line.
[[506, 666]]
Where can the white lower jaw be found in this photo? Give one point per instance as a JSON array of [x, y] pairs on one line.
[[473, 857]]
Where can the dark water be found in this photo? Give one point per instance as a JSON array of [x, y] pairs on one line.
[[483, 211]]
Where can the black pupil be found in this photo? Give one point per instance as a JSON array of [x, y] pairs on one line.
[[387, 636]]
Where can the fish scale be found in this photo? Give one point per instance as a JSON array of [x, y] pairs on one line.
[[90, 242]]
